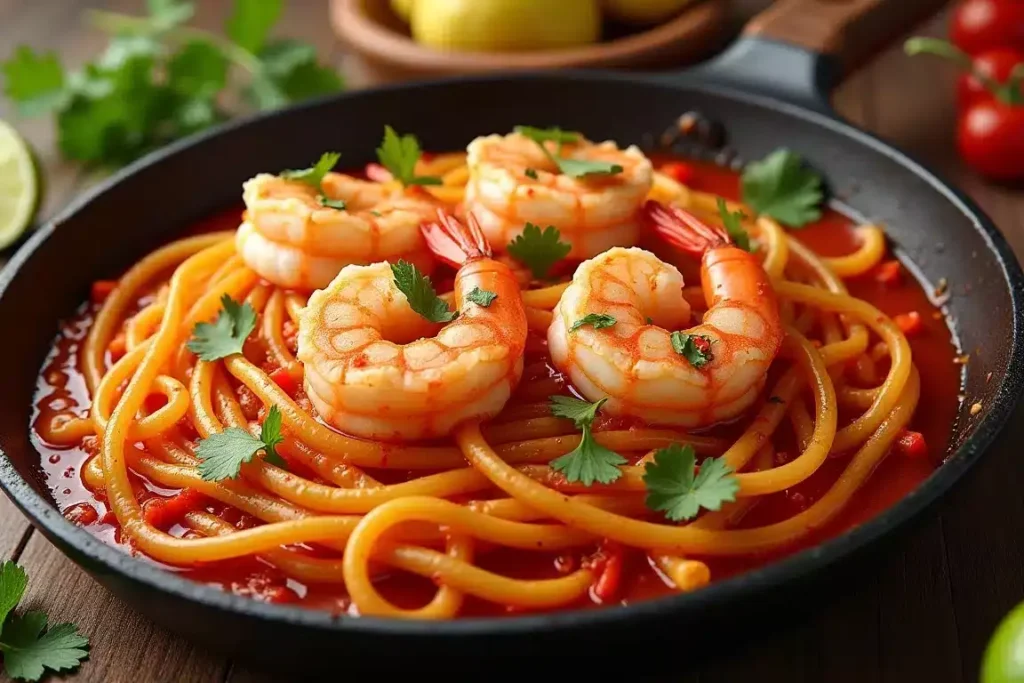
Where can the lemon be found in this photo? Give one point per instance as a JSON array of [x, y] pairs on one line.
[[642, 11], [403, 8], [505, 25], [19, 186]]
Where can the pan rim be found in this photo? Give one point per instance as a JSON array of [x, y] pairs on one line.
[[107, 559]]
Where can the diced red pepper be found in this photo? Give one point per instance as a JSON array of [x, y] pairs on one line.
[[163, 513], [608, 582], [909, 323], [101, 289], [378, 173], [912, 444], [678, 171], [81, 514], [888, 273], [285, 380]]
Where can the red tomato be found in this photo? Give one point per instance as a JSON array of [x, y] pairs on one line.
[[997, 64], [978, 25], [990, 137]]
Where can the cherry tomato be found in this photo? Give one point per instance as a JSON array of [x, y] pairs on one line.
[[1004, 657], [990, 137], [979, 25], [997, 64]]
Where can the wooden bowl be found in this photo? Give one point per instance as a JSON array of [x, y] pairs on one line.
[[381, 50]]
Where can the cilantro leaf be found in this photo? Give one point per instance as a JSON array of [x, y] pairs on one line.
[[530, 173], [578, 168], [166, 14], [481, 297], [598, 320], [420, 292], [589, 461], [338, 204], [696, 348], [313, 175], [290, 73], [399, 155], [580, 412], [227, 334], [251, 21], [222, 454], [673, 488], [28, 651], [538, 250], [35, 82], [542, 135], [733, 226], [198, 70], [780, 186], [13, 581]]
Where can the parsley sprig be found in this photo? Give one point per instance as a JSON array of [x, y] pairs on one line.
[[598, 321], [782, 187], [537, 250], [589, 461], [420, 292], [481, 297], [222, 454], [27, 646], [159, 80], [673, 486], [695, 348], [314, 175], [734, 226], [227, 334], [574, 168], [399, 155]]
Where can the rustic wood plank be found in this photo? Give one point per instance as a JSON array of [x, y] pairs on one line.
[[126, 648], [13, 529]]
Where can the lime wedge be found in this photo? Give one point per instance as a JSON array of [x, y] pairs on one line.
[[19, 186]]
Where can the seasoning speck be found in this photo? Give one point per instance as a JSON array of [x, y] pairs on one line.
[[976, 408]]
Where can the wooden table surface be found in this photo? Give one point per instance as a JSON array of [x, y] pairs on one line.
[[922, 611]]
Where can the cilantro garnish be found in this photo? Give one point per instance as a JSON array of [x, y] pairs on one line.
[[314, 175], [538, 250], [780, 186], [673, 488], [338, 204], [597, 320], [227, 334], [481, 297], [420, 292], [696, 348], [574, 168], [589, 461], [530, 173], [27, 646], [733, 226], [159, 80], [399, 155], [222, 454]]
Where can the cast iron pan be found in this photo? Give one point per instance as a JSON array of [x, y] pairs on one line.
[[768, 90]]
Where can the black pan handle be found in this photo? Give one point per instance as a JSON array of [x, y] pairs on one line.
[[799, 50]]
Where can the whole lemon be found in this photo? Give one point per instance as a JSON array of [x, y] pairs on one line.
[[403, 8], [642, 11], [504, 25]]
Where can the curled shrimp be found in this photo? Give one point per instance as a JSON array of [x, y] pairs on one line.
[[513, 182], [375, 368], [293, 240], [649, 363]]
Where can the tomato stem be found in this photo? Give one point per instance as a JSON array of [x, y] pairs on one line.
[[1007, 93]]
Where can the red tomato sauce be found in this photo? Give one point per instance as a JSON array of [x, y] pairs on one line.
[[61, 389]]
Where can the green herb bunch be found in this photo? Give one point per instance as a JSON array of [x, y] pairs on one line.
[[159, 80]]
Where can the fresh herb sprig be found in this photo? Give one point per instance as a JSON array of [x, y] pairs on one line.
[[28, 647], [538, 250], [227, 334], [598, 321], [695, 348], [159, 80], [420, 293], [782, 187], [589, 461], [399, 154], [675, 488], [574, 168], [222, 454], [733, 222]]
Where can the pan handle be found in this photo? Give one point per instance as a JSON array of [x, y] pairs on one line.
[[799, 50]]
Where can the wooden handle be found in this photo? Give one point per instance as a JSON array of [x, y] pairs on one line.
[[849, 30]]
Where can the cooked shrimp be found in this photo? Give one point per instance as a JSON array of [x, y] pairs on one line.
[[291, 239], [643, 367], [593, 214], [365, 380]]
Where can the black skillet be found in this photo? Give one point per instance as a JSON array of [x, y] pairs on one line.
[[790, 56]]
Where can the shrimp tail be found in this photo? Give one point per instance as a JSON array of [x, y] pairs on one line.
[[453, 242], [682, 229]]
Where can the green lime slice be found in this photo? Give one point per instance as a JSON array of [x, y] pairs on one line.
[[19, 186]]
